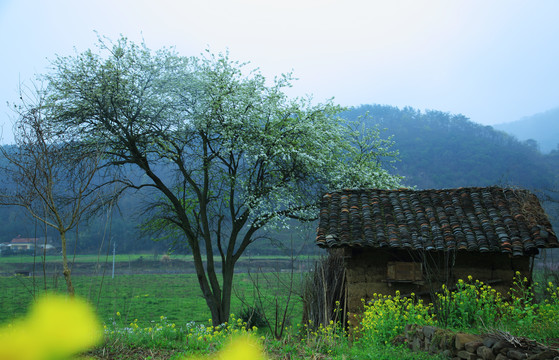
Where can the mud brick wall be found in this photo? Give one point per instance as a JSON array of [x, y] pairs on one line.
[[366, 272]]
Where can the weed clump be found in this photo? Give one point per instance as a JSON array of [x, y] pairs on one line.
[[162, 334], [386, 316]]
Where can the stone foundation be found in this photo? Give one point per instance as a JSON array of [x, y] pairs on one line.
[[459, 346]]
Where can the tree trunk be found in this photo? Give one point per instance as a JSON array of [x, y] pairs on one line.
[[221, 309], [219, 304], [212, 300], [66, 270], [227, 288]]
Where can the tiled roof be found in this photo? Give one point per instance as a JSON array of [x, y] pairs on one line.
[[24, 241], [476, 219]]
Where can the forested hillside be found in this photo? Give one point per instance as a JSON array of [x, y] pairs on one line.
[[441, 150], [436, 150]]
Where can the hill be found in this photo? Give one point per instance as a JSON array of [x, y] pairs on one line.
[[542, 127], [441, 150]]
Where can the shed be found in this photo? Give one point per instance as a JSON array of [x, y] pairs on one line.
[[415, 241]]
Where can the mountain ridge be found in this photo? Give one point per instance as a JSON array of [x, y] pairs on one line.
[[542, 127]]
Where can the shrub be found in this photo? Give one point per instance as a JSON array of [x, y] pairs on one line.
[[252, 316], [386, 316], [524, 316], [472, 305]]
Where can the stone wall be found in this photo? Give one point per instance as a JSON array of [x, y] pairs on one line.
[[457, 346]]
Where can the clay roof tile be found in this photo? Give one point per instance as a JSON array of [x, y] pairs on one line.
[[490, 219]]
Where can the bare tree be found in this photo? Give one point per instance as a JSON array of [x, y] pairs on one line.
[[52, 177]]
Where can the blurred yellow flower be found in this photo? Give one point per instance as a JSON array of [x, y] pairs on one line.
[[240, 348], [55, 328]]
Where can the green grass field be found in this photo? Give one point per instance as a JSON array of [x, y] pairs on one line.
[[142, 297]]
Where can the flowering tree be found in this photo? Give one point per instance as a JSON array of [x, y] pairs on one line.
[[224, 151]]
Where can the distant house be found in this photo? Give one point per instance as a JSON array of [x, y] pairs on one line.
[[25, 244], [21, 244], [415, 241]]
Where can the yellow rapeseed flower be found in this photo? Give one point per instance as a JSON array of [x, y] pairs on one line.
[[240, 348], [55, 328]]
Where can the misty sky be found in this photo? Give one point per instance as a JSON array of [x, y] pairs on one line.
[[493, 61]]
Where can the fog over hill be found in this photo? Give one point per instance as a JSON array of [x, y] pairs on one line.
[[542, 127]]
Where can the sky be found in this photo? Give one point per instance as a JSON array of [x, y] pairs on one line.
[[492, 61]]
